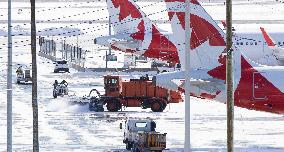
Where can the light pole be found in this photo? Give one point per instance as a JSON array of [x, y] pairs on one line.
[[109, 50], [187, 78], [9, 82], [229, 79], [34, 79]]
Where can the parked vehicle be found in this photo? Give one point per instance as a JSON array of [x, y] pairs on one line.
[[61, 65], [163, 66], [134, 93], [140, 136], [23, 75]]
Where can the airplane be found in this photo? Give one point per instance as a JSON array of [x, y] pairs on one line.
[[256, 86], [277, 51], [255, 46], [137, 34]]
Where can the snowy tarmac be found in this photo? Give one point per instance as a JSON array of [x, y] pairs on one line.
[[65, 127]]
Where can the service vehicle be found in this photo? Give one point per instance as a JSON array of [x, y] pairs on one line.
[[23, 76], [163, 66], [134, 93], [141, 136], [61, 65], [92, 97], [60, 90]]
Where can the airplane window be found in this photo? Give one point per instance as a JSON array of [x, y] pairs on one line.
[[255, 43], [241, 43], [251, 43], [247, 43], [237, 43], [279, 43]]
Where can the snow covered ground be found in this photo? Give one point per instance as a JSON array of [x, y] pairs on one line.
[[65, 127], [73, 128]]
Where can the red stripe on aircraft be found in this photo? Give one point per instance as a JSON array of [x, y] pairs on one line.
[[161, 47], [141, 32], [126, 9], [202, 30]]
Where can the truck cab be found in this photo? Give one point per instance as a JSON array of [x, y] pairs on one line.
[[140, 125], [141, 135], [112, 85]]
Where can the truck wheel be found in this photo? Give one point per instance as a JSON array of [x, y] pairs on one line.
[[145, 104], [54, 94], [157, 106], [113, 105], [164, 105]]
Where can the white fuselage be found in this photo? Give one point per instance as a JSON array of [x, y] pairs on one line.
[[254, 47]]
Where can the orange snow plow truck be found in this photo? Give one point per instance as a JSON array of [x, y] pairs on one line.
[[133, 93]]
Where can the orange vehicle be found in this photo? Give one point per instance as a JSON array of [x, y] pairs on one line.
[[134, 93]]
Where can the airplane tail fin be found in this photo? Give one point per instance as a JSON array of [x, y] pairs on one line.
[[267, 38], [126, 17], [225, 25], [278, 52], [207, 38]]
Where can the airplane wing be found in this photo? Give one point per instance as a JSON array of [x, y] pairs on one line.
[[125, 45], [122, 42], [198, 84]]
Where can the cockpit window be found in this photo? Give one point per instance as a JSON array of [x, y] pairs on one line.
[[111, 81]]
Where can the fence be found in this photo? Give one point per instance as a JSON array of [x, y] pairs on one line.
[[75, 55]]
